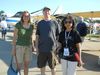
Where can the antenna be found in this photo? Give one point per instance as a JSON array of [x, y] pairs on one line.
[[37, 11], [58, 10]]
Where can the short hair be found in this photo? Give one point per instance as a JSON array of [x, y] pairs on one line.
[[46, 8]]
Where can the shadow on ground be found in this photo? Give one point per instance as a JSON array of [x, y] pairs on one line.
[[9, 37], [90, 62], [5, 53]]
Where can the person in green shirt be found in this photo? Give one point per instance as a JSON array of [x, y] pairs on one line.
[[22, 42]]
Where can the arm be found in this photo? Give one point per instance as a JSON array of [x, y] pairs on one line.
[[14, 46], [36, 43], [14, 41], [33, 39], [78, 45], [79, 49], [59, 40]]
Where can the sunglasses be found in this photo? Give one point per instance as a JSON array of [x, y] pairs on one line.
[[68, 22]]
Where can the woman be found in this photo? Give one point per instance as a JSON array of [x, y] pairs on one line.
[[70, 44], [22, 41]]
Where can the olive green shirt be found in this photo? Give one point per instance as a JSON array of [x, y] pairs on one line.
[[24, 34]]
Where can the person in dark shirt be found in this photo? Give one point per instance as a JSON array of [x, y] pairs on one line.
[[46, 37], [82, 28], [70, 41]]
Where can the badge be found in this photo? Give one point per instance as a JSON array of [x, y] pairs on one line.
[[66, 52]]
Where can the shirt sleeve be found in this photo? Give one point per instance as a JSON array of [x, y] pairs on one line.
[[61, 37], [18, 25], [77, 38], [58, 30], [37, 30]]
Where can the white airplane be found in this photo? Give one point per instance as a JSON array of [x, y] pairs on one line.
[[14, 19], [11, 21]]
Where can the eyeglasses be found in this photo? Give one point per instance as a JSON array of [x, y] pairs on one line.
[[68, 22], [26, 16]]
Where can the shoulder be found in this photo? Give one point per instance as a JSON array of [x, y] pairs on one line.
[[62, 33], [76, 35], [41, 21], [56, 25], [32, 25], [82, 24], [18, 25], [54, 21], [75, 32]]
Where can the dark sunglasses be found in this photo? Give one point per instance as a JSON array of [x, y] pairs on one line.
[[68, 22]]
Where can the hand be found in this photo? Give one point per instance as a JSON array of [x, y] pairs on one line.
[[37, 52], [14, 51], [80, 64], [59, 59], [32, 48], [59, 47]]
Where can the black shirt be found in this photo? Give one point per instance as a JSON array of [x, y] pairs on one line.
[[47, 31], [72, 40]]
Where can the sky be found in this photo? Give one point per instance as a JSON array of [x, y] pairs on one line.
[[65, 6]]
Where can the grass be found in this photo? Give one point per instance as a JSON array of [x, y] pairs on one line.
[[93, 35]]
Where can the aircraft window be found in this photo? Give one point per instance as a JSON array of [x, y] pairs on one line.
[[18, 14]]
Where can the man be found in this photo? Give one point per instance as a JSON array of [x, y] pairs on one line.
[[46, 42], [3, 25], [82, 28]]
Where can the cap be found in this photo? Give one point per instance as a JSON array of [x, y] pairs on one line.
[[46, 8]]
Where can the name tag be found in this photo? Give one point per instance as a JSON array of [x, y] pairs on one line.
[[66, 52]]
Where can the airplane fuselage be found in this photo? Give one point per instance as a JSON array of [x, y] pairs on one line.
[[12, 20]]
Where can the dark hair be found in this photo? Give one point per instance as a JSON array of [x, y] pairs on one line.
[[46, 8], [3, 18], [63, 22], [23, 16]]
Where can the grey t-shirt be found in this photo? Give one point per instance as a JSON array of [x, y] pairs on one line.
[[47, 31]]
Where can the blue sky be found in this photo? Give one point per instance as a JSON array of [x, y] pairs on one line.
[[68, 6]]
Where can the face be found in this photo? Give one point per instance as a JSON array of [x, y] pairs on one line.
[[68, 23], [26, 17], [46, 13]]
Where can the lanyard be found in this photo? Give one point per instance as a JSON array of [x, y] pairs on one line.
[[66, 37]]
